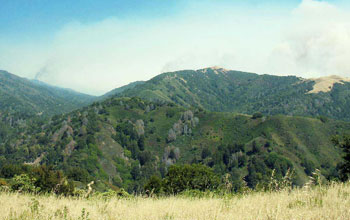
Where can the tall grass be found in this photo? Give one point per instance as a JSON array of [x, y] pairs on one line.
[[330, 201]]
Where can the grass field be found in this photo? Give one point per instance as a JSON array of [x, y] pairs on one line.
[[326, 202]]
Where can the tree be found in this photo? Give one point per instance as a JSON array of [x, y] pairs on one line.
[[145, 157], [172, 154], [255, 148], [226, 157], [205, 152], [257, 115], [153, 185], [141, 143], [170, 113], [309, 166], [257, 172], [135, 171], [344, 167]]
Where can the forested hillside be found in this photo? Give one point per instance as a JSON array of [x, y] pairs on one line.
[[20, 96], [217, 89], [124, 141]]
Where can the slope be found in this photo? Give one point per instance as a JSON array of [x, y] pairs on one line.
[[20, 95]]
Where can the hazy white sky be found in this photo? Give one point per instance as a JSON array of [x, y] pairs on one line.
[[309, 38]]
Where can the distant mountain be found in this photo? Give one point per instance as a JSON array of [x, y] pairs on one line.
[[124, 141], [22, 96], [217, 89]]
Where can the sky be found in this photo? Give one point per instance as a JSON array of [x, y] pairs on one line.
[[95, 46]]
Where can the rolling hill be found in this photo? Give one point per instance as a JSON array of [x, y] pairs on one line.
[[221, 90], [22, 96]]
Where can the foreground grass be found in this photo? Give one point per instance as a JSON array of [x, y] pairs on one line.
[[326, 202]]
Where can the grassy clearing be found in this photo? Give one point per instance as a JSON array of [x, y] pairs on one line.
[[326, 202]]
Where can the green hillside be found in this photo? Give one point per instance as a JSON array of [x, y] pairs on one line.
[[120, 90], [123, 141], [22, 96], [222, 90]]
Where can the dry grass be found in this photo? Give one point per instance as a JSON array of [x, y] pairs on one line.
[[327, 202], [325, 84]]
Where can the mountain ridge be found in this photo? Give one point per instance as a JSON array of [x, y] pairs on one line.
[[218, 89]]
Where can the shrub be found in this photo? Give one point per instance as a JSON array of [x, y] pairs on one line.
[[190, 177], [153, 185], [3, 182], [24, 183], [120, 193]]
